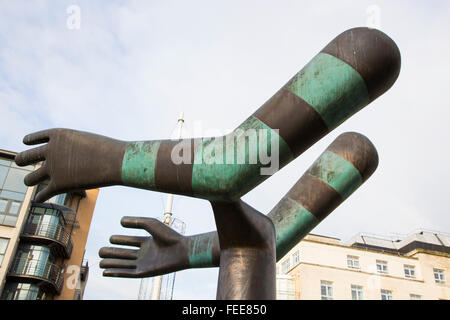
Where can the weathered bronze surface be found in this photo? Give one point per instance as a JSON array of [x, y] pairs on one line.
[[241, 228], [355, 68]]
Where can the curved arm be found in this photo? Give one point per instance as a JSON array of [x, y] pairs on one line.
[[344, 166], [351, 71], [337, 173]]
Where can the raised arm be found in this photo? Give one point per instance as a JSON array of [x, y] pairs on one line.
[[350, 72], [343, 167]]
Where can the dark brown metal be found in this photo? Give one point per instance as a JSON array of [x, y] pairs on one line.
[[365, 160], [299, 124], [245, 237], [315, 196], [170, 176], [247, 252], [73, 160], [164, 252], [365, 63]]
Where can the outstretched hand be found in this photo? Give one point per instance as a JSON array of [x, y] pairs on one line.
[[71, 160], [163, 252]]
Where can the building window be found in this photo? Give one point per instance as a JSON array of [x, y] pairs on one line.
[[386, 295], [285, 266], [3, 245], [410, 272], [296, 257], [285, 288], [326, 290], [353, 262], [439, 276], [382, 266], [12, 190], [357, 292], [415, 297]]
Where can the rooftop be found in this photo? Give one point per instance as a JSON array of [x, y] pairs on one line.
[[421, 239]]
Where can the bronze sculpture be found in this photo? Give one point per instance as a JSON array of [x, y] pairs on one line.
[[354, 69]]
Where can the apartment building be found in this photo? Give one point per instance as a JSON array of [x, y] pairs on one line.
[[42, 245], [367, 267]]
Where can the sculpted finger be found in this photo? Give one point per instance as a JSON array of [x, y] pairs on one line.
[[36, 177], [37, 137], [117, 263], [118, 253], [127, 240], [153, 226], [117, 272], [45, 194], [31, 156]]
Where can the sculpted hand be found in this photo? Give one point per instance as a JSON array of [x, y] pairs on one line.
[[164, 252], [71, 160]]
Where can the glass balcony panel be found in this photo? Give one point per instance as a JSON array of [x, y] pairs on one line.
[[47, 271], [22, 291], [58, 199]]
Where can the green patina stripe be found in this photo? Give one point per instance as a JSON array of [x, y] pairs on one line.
[[292, 222], [222, 167], [200, 259], [138, 166], [337, 172], [201, 251], [332, 87]]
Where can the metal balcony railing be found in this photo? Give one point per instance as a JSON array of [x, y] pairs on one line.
[[54, 232], [21, 294], [47, 272]]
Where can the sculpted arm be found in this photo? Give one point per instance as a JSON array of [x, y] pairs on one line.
[[351, 71], [347, 163]]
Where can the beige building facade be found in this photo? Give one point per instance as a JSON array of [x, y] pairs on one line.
[[42, 245], [367, 268]]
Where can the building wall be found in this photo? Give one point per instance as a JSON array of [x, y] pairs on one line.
[[428, 262], [12, 231], [13, 234], [79, 238], [324, 259], [13, 191]]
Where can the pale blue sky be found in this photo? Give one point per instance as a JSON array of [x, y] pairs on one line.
[[134, 65]]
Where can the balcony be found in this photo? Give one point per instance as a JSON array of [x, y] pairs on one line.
[[47, 224], [51, 234], [22, 291], [47, 274]]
